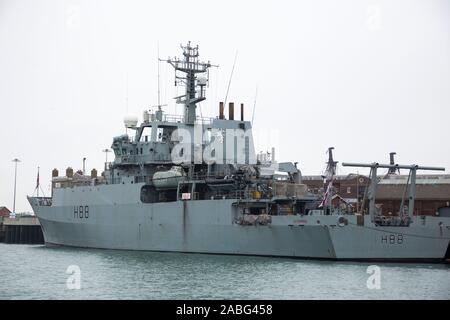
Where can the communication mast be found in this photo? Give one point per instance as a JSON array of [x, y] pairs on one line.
[[192, 69]]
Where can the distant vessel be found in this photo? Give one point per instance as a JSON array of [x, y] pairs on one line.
[[192, 184]]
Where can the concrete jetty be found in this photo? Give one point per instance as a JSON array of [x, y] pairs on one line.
[[22, 229]]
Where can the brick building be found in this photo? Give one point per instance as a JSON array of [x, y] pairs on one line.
[[350, 188], [432, 191], [4, 212]]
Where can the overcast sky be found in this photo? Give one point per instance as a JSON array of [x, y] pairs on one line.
[[367, 77]]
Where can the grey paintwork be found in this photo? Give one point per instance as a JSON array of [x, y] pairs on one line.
[[110, 214], [118, 220]]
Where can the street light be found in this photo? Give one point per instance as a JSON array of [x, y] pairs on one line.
[[84, 166], [15, 184], [106, 151]]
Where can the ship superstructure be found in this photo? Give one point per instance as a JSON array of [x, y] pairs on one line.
[[192, 184]]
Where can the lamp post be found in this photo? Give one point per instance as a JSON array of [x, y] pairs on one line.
[[357, 192], [15, 184], [84, 166]]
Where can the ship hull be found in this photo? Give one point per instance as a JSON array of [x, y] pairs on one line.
[[210, 226], [197, 226]]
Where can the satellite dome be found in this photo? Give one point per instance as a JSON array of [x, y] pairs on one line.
[[202, 81], [130, 121]]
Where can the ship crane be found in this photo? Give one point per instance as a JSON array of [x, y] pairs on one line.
[[374, 180], [328, 176], [392, 170], [330, 171]]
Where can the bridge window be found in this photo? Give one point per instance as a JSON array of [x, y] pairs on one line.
[[146, 134], [159, 134]]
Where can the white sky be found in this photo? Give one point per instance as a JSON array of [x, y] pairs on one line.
[[367, 77]]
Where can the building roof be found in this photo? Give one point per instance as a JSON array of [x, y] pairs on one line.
[[423, 191], [420, 179], [391, 179], [336, 178], [4, 211]]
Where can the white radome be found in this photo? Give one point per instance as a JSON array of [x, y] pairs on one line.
[[130, 121], [202, 81]]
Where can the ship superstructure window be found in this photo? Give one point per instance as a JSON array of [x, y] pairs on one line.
[[150, 195], [146, 134], [207, 136], [164, 133], [159, 134]]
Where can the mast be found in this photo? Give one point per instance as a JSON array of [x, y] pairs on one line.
[[190, 66], [15, 184], [330, 172]]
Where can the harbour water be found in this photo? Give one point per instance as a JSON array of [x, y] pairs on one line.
[[39, 272]]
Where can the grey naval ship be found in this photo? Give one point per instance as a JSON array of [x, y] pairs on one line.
[[193, 184]]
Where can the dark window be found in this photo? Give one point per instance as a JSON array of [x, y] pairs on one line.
[[150, 195]]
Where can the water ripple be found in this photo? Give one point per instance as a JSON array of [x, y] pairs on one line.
[[39, 272]]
